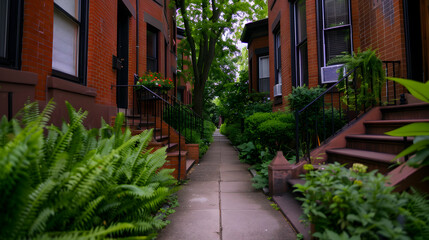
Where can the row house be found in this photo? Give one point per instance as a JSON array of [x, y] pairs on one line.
[[304, 35], [80, 50]]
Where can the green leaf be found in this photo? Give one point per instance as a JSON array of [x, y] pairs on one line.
[[413, 129], [413, 148], [417, 89]]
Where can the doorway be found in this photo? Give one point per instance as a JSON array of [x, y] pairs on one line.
[[416, 33], [122, 48]]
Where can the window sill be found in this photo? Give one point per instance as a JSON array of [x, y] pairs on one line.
[[64, 85], [8, 75]]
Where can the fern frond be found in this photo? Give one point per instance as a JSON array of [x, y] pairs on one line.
[[39, 223], [36, 200], [86, 215]]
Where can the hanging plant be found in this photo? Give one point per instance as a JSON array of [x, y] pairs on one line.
[[370, 78]]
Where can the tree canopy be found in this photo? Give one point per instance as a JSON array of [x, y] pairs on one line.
[[212, 27]]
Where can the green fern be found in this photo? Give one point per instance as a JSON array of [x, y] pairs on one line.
[[73, 183]]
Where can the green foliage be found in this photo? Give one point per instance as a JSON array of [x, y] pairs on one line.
[[261, 180], [420, 131], [351, 204], [233, 132], [370, 78], [316, 122], [193, 136], [273, 130], [74, 183], [302, 96]]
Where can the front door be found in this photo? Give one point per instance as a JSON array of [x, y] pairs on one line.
[[414, 25], [122, 72]]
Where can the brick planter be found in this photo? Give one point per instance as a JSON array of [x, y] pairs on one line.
[[193, 152]]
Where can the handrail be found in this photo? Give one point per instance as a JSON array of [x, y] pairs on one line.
[[167, 111], [9, 104], [329, 89], [310, 134]]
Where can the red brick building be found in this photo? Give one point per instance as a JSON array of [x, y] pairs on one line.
[[304, 35], [256, 35], [78, 50]]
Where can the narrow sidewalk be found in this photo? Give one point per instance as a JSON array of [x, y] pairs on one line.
[[219, 202]]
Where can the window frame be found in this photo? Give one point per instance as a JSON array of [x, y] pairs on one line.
[[82, 58], [299, 81], [266, 56], [14, 35], [277, 56], [157, 47], [326, 29]]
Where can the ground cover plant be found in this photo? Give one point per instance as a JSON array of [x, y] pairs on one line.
[[350, 203], [72, 183]]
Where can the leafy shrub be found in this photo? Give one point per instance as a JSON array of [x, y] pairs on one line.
[[272, 130], [352, 204], [233, 132], [74, 183], [302, 96]]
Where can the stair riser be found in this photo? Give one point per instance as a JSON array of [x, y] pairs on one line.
[[421, 112], [382, 168], [381, 129], [377, 146]]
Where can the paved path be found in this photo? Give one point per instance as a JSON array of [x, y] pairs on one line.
[[219, 202]]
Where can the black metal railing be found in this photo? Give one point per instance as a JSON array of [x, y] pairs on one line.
[[8, 105], [334, 109], [155, 109]]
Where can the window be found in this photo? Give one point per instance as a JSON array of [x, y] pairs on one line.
[[264, 74], [301, 53], [69, 40], [336, 29], [277, 58], [152, 49], [10, 32]]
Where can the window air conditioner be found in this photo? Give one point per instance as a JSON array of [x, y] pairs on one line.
[[330, 74], [277, 90]]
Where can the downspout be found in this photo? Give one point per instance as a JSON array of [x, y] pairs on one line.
[[137, 37]]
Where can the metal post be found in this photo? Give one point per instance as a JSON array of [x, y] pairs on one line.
[[297, 134], [9, 105]]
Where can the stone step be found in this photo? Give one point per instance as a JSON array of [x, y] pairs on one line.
[[291, 209], [408, 111], [374, 160], [138, 131], [378, 143], [189, 164], [379, 127], [161, 138]]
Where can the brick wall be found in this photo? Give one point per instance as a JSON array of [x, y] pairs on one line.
[[37, 42], [97, 96], [282, 8], [378, 26]]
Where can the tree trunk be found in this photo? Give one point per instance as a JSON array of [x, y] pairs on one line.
[[198, 98]]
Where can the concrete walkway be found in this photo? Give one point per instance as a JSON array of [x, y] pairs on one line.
[[219, 202]]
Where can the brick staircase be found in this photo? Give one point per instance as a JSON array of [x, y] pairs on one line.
[[365, 142], [179, 155], [372, 147]]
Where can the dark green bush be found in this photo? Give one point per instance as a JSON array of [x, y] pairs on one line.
[[273, 130], [302, 96]]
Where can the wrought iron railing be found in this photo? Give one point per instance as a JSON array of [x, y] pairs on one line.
[[334, 109], [9, 105], [154, 109]]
